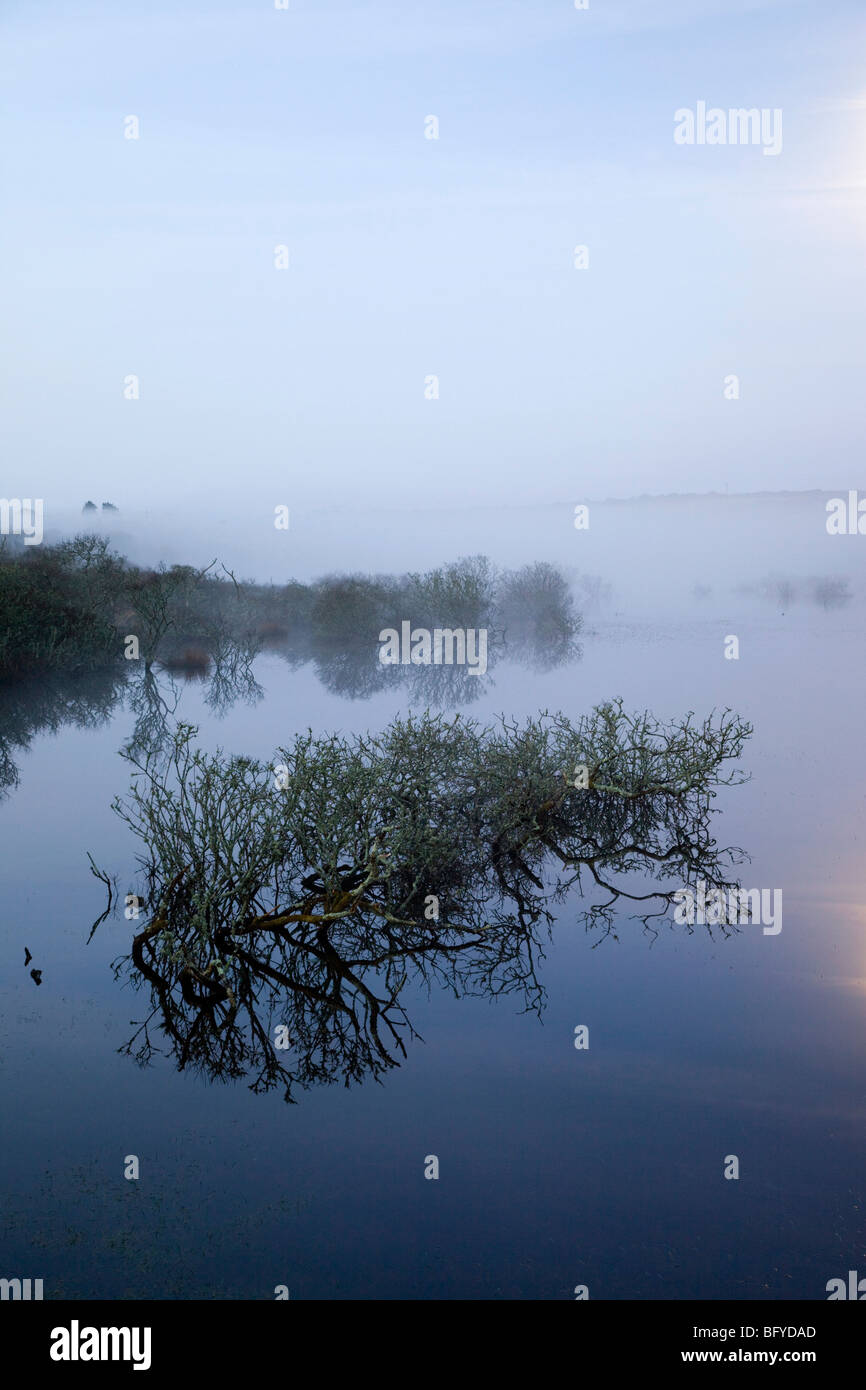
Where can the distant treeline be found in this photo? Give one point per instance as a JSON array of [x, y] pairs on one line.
[[72, 607], [828, 591]]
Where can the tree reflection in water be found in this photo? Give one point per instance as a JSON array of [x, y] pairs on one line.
[[294, 903]]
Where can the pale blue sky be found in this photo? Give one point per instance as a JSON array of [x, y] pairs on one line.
[[411, 257]]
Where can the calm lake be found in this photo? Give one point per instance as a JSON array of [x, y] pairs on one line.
[[557, 1166]]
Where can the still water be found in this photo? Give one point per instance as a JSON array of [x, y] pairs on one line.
[[558, 1167]]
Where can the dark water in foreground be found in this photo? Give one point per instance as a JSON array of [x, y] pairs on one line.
[[557, 1167]]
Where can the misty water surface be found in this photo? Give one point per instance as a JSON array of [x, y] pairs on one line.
[[557, 1167]]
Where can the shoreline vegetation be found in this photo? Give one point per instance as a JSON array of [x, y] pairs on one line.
[[69, 613], [75, 607]]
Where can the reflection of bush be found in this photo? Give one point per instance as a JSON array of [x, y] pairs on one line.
[[535, 609], [529, 616], [193, 663], [30, 707], [302, 894], [71, 608]]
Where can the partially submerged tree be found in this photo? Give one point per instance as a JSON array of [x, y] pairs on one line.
[[306, 894], [535, 608]]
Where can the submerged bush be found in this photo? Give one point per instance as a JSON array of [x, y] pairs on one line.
[[306, 893]]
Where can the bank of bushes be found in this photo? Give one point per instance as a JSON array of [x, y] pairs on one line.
[[73, 607]]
